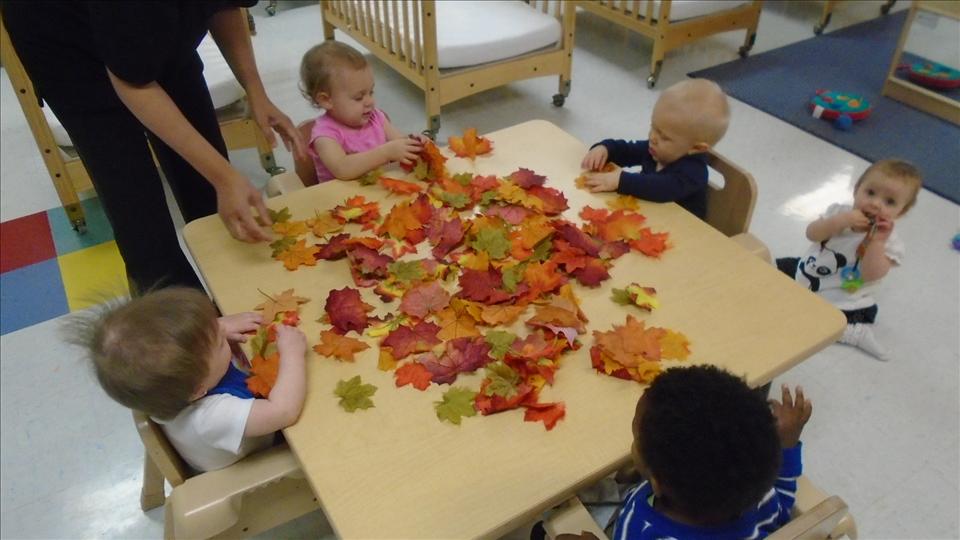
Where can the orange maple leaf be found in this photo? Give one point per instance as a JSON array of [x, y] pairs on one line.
[[455, 321], [283, 302], [415, 374], [400, 187], [290, 228], [298, 254], [263, 374], [399, 221], [650, 244], [386, 361], [542, 277], [501, 314], [470, 145], [324, 224], [339, 346]]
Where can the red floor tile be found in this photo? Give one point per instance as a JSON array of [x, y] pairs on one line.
[[25, 241]]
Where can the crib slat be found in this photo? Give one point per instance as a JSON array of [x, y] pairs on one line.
[[395, 26], [650, 11], [417, 11], [405, 7]]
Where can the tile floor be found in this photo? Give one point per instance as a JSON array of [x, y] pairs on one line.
[[884, 436]]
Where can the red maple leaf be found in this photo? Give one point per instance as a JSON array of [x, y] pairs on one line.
[[445, 233], [406, 340], [526, 178], [482, 286], [346, 310], [510, 213], [496, 403], [399, 187], [650, 244], [335, 249], [415, 374], [592, 274], [462, 355], [548, 413], [554, 200], [576, 238], [424, 299]]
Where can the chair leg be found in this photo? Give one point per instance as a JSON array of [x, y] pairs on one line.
[[267, 161], [152, 493], [328, 30]]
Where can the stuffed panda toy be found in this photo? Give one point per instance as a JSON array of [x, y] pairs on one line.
[[821, 266]]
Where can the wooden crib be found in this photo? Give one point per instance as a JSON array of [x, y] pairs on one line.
[[403, 34], [674, 24]]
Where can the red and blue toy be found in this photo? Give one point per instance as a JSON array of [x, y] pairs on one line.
[[932, 75]]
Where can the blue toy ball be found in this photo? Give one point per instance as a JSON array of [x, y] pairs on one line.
[[843, 122], [956, 242]]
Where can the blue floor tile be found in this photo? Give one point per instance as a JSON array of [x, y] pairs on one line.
[[31, 295], [68, 240]]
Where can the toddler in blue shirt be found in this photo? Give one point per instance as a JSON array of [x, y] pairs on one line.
[[717, 461], [688, 119]]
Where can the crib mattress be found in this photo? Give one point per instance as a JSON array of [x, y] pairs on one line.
[[477, 32], [688, 9], [224, 88]]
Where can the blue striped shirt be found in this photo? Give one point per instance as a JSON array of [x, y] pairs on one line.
[[638, 520]]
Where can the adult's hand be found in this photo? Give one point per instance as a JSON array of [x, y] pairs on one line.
[[271, 119], [234, 200]]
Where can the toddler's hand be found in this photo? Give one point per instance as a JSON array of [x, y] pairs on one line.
[[290, 341], [595, 159], [405, 149], [791, 416], [236, 325], [603, 181], [884, 228], [856, 220]]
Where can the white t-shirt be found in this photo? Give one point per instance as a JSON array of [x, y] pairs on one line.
[[819, 269], [208, 434]]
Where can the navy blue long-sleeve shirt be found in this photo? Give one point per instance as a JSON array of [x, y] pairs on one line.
[[684, 181]]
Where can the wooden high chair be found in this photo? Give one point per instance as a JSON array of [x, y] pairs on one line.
[[730, 207], [255, 494], [815, 517], [70, 177]]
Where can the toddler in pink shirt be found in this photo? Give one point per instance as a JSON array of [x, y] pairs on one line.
[[352, 137]]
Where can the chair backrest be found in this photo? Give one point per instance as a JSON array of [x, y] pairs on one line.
[[818, 523], [304, 167], [163, 454], [730, 208]]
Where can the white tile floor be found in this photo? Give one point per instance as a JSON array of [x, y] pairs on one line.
[[884, 436]]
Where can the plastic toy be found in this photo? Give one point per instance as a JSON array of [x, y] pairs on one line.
[[956, 241], [932, 75], [850, 277], [840, 108]]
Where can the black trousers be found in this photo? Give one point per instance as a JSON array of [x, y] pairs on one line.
[[112, 144]]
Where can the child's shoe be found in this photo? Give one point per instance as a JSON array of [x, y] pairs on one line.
[[860, 335]]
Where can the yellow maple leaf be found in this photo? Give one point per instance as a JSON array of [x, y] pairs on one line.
[[674, 346], [298, 254], [290, 228]]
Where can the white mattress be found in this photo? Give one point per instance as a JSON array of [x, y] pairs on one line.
[[471, 32], [224, 88], [686, 9]]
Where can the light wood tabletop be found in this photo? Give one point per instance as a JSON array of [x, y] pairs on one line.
[[396, 471]]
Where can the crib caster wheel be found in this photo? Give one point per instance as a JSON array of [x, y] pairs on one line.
[[558, 100], [743, 51], [818, 29], [271, 8], [884, 9], [430, 134], [651, 81], [80, 226]]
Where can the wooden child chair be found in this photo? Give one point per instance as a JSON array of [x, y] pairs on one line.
[[255, 494], [70, 177], [730, 207], [815, 517]]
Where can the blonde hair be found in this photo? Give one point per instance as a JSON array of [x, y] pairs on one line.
[[705, 106], [319, 63], [897, 169], [150, 353]]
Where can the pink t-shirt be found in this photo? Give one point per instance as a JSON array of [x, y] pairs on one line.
[[352, 140]]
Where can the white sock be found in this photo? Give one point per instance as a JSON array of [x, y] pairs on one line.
[[860, 335]]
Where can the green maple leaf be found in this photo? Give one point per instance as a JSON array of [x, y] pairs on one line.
[[354, 394], [455, 200], [463, 179], [259, 344], [282, 245], [406, 270], [279, 216], [503, 380], [370, 178], [421, 171], [457, 403], [622, 297], [493, 241], [512, 277], [542, 250], [488, 197], [500, 342]]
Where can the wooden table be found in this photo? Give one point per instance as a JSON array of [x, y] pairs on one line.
[[395, 471]]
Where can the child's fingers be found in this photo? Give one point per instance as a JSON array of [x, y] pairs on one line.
[[785, 397]]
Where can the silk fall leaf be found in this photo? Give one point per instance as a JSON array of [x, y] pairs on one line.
[[285, 301], [354, 394], [470, 145], [299, 254], [339, 346]]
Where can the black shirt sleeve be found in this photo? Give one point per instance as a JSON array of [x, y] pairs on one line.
[[626, 153], [676, 182]]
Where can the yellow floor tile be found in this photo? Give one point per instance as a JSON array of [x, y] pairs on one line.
[[93, 275]]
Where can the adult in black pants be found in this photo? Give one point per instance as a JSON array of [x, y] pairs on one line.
[[119, 73]]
